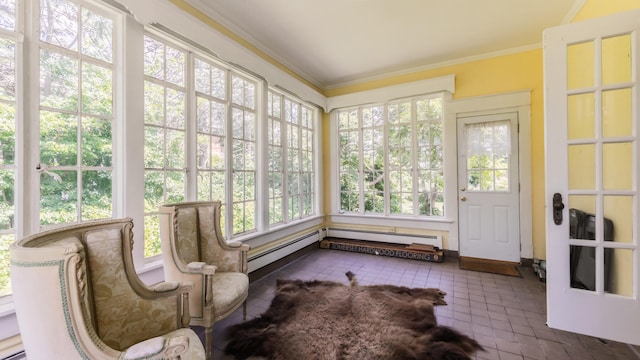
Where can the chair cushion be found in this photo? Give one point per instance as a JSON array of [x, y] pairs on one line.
[[229, 290]]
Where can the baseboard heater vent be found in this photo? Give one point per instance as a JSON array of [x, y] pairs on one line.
[[413, 251], [281, 250], [386, 237]]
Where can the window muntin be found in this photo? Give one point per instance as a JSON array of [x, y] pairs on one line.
[[76, 113], [164, 134], [211, 120], [7, 139], [391, 158], [275, 134], [291, 159], [243, 144]]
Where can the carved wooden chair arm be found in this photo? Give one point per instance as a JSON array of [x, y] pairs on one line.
[[174, 345]]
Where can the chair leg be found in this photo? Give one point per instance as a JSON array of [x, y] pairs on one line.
[[244, 310], [208, 341]]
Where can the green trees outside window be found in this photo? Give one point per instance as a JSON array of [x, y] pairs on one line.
[[391, 158]]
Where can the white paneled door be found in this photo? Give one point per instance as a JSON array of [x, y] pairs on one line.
[[591, 71], [488, 193]]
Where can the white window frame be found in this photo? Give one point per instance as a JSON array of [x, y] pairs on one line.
[[130, 25], [447, 223]]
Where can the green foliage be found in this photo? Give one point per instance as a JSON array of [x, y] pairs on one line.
[[152, 245], [5, 282], [413, 153]]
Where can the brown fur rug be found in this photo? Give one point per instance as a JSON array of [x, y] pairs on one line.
[[330, 320]]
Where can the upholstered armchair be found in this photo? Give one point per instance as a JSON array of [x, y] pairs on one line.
[[195, 251], [77, 296]]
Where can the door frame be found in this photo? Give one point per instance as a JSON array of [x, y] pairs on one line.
[[520, 103]]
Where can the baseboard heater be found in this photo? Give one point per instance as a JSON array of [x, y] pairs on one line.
[[386, 237], [279, 251]]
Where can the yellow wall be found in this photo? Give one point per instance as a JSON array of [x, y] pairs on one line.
[[598, 8], [521, 71]]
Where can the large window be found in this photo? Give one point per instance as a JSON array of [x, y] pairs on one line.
[[7, 137], [243, 144], [391, 158], [226, 104], [291, 159], [164, 134], [75, 113], [211, 95], [187, 129]]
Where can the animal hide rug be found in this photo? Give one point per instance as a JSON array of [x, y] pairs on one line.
[[330, 320]]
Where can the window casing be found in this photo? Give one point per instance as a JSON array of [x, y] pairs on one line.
[[391, 158]]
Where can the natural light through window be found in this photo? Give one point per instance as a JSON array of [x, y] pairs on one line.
[[391, 158]]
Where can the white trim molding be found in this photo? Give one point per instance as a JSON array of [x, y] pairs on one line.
[[388, 93]]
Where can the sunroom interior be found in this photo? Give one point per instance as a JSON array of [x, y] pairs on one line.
[[112, 108]]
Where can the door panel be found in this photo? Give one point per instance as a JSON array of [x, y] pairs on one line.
[[591, 147], [488, 200]]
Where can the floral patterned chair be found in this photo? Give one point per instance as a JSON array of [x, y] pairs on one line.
[[77, 296], [195, 251]]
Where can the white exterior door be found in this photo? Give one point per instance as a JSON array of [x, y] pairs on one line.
[[488, 193], [591, 71]]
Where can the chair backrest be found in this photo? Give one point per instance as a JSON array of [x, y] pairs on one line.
[[78, 282], [123, 316], [197, 235]]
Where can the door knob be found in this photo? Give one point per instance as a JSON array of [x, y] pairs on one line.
[[463, 198], [557, 208], [463, 188]]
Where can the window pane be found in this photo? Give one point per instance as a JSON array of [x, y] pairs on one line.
[[58, 197], [96, 195], [96, 36], [59, 23], [58, 81], [96, 142], [58, 139], [7, 202], [8, 68], [7, 134], [97, 90], [8, 17]]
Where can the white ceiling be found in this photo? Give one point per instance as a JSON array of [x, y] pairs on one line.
[[337, 42]]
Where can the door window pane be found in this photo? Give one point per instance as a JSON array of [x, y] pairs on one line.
[[617, 160], [580, 65], [581, 116], [582, 171], [616, 113], [616, 59], [488, 154]]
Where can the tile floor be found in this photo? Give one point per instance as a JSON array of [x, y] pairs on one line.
[[504, 314]]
